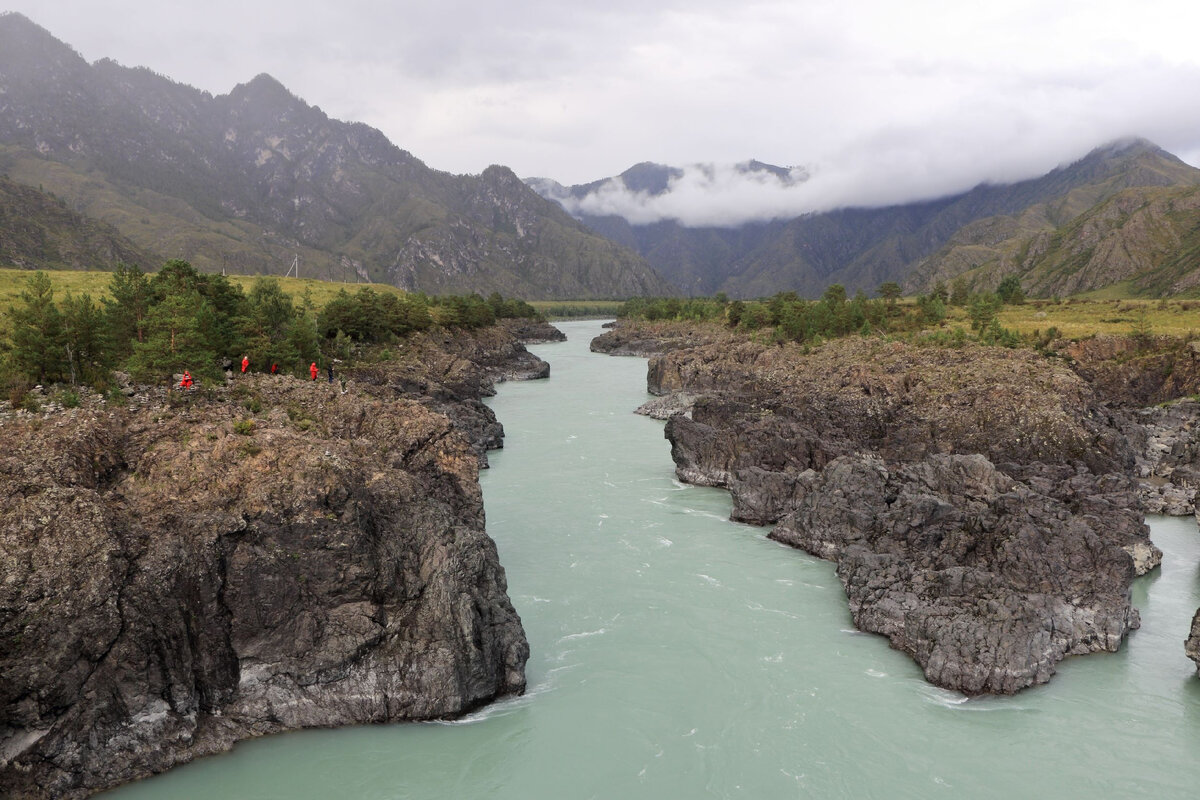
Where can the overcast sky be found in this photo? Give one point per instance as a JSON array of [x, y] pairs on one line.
[[880, 101]]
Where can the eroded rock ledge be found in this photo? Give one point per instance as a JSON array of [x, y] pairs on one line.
[[979, 502], [181, 574], [451, 372]]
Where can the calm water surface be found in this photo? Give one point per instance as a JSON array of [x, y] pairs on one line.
[[679, 655]]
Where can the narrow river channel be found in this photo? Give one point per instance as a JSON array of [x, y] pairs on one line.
[[679, 655]]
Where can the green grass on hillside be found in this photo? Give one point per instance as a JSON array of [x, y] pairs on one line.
[[95, 283]]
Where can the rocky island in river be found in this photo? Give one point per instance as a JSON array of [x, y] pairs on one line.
[[982, 504], [190, 570]]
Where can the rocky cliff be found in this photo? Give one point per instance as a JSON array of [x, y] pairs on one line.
[[1153, 379], [450, 372], [191, 570], [979, 502]]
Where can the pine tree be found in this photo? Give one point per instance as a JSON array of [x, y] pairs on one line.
[[175, 340], [125, 314], [37, 348], [84, 338]]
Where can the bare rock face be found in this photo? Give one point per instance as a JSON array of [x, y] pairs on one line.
[[979, 502], [1192, 645], [533, 332], [1166, 439], [450, 371], [653, 338], [984, 581], [185, 574]]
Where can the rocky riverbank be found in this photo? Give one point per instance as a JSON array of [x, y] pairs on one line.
[[451, 373], [188, 570], [979, 502]]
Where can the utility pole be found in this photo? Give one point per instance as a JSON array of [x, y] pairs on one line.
[[295, 266]]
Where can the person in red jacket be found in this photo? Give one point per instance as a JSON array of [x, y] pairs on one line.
[[312, 370], [245, 364], [186, 381], [274, 368]]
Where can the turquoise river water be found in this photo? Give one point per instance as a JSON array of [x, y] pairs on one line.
[[679, 655]]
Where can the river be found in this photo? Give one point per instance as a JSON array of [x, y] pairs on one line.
[[679, 655]]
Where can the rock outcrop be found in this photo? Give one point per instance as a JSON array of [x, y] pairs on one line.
[[188, 571], [652, 338], [986, 582], [1191, 645], [979, 502], [451, 372], [1152, 379]]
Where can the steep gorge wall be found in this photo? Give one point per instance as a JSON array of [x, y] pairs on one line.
[[186, 572]]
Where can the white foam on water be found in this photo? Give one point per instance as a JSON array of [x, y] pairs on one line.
[[583, 634]]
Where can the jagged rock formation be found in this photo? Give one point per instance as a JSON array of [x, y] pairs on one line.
[[650, 338], [978, 501], [189, 571], [1192, 644], [449, 373], [1151, 379], [987, 582], [249, 180]]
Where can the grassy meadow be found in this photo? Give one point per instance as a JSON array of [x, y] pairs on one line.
[[1079, 318]]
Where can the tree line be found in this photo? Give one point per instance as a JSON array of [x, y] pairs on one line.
[[156, 325], [793, 318], [790, 317]]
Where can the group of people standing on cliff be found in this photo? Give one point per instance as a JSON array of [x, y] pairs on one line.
[[186, 381]]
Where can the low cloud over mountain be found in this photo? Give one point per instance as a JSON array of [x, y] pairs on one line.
[[889, 172]]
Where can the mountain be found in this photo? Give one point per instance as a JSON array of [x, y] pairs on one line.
[[1140, 226], [251, 180], [38, 231], [1146, 238], [916, 244]]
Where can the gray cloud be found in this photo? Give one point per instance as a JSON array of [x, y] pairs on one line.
[[881, 101]]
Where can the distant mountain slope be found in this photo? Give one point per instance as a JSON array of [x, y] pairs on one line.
[[1128, 228], [37, 231], [250, 180], [1145, 237], [915, 244]]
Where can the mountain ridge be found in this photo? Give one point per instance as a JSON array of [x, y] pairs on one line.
[[250, 180], [865, 246]]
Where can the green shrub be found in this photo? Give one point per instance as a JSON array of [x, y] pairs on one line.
[[244, 427]]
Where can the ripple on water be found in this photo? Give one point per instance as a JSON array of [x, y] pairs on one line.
[[583, 635]]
